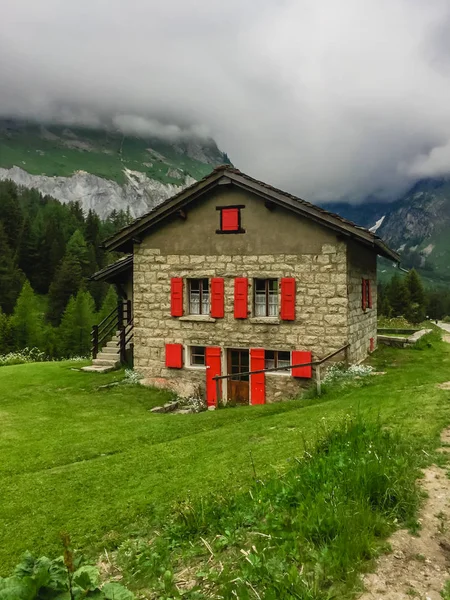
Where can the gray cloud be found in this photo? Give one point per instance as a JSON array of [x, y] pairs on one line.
[[326, 99]]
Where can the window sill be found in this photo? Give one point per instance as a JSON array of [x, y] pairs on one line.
[[196, 367], [279, 373], [265, 320], [198, 318]]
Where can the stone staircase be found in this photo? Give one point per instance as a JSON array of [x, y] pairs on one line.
[[108, 358]]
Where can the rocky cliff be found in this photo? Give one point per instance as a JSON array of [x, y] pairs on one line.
[[103, 169]]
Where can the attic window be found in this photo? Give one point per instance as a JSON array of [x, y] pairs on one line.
[[230, 219]]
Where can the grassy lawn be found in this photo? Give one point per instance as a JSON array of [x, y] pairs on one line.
[[97, 464]]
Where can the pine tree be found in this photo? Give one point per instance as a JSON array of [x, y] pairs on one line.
[[417, 298], [78, 248], [6, 334], [67, 282], [76, 325], [11, 278], [109, 304], [398, 296], [10, 213], [384, 308], [27, 255], [27, 319]]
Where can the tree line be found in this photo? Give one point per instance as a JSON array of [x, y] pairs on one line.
[[406, 296], [48, 252]]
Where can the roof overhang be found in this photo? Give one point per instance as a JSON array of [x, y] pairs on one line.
[[124, 239], [117, 272]]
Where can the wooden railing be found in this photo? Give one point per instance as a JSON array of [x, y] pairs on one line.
[[315, 363], [119, 319]]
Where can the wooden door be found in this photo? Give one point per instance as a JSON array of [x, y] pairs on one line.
[[238, 385]]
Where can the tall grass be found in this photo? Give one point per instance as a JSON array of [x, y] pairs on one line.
[[307, 534]]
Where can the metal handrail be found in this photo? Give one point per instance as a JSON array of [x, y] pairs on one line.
[[314, 363], [114, 321], [113, 312]]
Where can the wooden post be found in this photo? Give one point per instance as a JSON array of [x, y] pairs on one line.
[[120, 314], [318, 381], [218, 398], [128, 311], [122, 345], [94, 341]]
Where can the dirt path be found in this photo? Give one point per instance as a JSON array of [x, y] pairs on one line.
[[418, 567], [446, 328]]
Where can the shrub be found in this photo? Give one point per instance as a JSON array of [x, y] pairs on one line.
[[338, 373], [27, 355], [42, 578]]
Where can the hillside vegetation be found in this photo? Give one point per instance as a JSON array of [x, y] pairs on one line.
[[93, 461], [61, 151], [49, 250]]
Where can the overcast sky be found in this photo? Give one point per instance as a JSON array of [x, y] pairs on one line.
[[327, 99]]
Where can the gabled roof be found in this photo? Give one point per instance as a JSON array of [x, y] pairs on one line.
[[123, 240], [113, 271]]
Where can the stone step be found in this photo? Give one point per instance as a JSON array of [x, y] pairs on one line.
[[110, 349], [108, 356], [111, 344], [101, 362], [98, 368]]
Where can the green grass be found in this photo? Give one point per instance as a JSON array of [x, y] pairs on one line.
[[307, 534], [96, 463], [106, 155]]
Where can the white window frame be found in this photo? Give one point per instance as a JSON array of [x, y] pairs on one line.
[[276, 362], [199, 303], [266, 304], [189, 364]]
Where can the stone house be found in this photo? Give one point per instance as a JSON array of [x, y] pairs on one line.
[[232, 275]]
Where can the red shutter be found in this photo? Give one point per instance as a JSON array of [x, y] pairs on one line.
[[176, 297], [300, 358], [257, 381], [230, 219], [372, 345], [369, 293], [213, 368], [174, 356], [217, 298], [288, 299], [240, 298], [364, 294]]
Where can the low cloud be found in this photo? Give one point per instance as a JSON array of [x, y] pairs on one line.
[[330, 100]]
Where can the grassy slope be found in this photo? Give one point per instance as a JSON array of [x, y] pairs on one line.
[[96, 463], [29, 149]]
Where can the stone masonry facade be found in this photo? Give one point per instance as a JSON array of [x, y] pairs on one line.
[[362, 324], [328, 311]]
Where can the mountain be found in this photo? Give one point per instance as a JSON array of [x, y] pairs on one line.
[[102, 168], [417, 225]]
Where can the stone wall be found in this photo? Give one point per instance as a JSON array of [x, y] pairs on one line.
[[362, 325], [321, 311]]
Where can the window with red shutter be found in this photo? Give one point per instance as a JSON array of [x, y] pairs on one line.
[[363, 294], [213, 368], [230, 219], [176, 297], [241, 298], [366, 293], [217, 298], [288, 299], [174, 356], [301, 358], [258, 380]]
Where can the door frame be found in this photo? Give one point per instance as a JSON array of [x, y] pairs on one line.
[[227, 371]]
